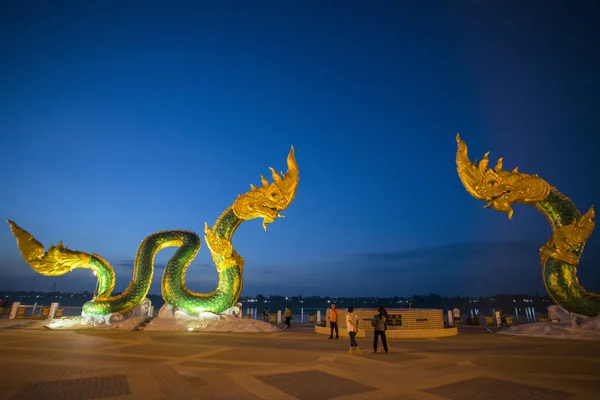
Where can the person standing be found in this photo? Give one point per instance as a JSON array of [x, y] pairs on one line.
[[456, 315], [3, 306], [333, 321], [265, 315], [380, 325], [288, 317], [352, 326]]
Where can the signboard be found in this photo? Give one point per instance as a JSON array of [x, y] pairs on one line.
[[394, 320]]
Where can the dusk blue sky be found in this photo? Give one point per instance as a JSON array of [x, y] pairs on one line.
[[122, 118]]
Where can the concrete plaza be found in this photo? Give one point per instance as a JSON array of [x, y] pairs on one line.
[[295, 364]]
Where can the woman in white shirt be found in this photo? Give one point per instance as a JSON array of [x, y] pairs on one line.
[[352, 326]]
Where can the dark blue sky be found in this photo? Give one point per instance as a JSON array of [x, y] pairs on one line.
[[119, 120]]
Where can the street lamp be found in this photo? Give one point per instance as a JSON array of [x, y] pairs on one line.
[[97, 284]]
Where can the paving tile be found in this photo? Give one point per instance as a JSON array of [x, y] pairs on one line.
[[314, 385], [215, 365], [113, 359], [264, 355], [394, 357], [485, 388], [29, 357], [476, 349], [194, 339], [193, 377], [71, 344], [159, 350], [195, 380], [539, 365], [590, 385], [75, 389], [110, 335], [35, 372], [173, 385]]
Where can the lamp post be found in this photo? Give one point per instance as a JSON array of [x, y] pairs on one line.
[[97, 283]]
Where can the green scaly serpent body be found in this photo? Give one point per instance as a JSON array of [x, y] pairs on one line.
[[560, 277], [570, 230], [264, 202], [174, 290], [176, 293]]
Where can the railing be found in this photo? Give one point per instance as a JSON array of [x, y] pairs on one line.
[[43, 312], [309, 317], [506, 320], [312, 318], [303, 317], [32, 312], [24, 311]]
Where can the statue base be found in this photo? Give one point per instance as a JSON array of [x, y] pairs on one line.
[[141, 311], [129, 321], [172, 319], [168, 311], [564, 325]]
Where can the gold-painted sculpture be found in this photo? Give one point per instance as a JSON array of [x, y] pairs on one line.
[[59, 260], [560, 255], [222, 251], [568, 237], [264, 202], [499, 188]]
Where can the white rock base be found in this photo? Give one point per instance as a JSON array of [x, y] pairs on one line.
[[223, 323], [167, 311], [564, 325], [128, 321], [174, 319]]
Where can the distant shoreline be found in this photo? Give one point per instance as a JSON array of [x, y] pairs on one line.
[[510, 304]]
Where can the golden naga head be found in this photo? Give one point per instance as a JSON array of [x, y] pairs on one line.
[[58, 260], [268, 200], [500, 188]]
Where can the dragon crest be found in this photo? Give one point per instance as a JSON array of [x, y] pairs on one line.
[[267, 200], [569, 237], [501, 189]]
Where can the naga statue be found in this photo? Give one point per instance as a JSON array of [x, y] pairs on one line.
[[560, 255], [264, 202]]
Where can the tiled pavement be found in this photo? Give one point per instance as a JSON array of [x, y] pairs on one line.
[[296, 364]]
